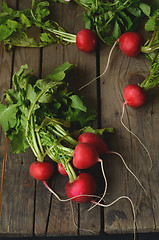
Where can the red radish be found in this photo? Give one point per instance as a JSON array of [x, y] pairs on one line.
[[95, 140], [134, 95], [85, 156], [41, 170], [86, 40], [130, 43], [61, 169], [85, 184]]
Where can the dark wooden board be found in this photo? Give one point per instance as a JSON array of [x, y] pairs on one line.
[[28, 208]]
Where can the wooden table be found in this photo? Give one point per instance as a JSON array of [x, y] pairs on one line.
[[28, 209]]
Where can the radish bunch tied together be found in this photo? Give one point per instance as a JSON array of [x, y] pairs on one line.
[[86, 154]]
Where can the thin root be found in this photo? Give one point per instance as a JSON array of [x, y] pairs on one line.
[[132, 206], [74, 221], [106, 68], [105, 190], [135, 136], [129, 170]]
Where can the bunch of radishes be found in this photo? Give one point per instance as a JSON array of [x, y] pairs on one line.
[[90, 146], [86, 154], [82, 186]]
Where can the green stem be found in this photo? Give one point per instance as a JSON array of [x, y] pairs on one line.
[[74, 176], [34, 147], [82, 5], [39, 142], [69, 151], [149, 83], [35, 144], [71, 173], [149, 49], [67, 138], [68, 37], [34, 103]]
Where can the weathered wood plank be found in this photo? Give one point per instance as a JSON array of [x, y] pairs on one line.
[[18, 196], [21, 193], [85, 72], [54, 56], [49, 214], [118, 218], [5, 81]]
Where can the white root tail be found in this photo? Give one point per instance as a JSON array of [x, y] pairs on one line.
[[135, 136], [106, 68], [129, 170], [106, 185], [74, 221], [132, 206]]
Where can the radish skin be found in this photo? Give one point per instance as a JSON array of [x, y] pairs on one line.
[[85, 156], [93, 139], [84, 184], [61, 169], [41, 170], [134, 96], [68, 199], [130, 43], [86, 40]]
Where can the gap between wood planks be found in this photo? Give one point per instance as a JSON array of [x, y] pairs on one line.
[[6, 140]]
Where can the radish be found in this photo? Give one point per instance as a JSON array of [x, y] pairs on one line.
[[85, 156], [130, 43], [95, 140], [41, 170], [85, 184], [134, 95], [86, 40], [61, 169]]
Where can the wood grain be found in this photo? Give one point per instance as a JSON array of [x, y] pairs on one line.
[[18, 196], [122, 71], [28, 208], [5, 82]]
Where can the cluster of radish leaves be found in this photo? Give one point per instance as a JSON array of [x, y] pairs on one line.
[[47, 116], [112, 18], [15, 23]]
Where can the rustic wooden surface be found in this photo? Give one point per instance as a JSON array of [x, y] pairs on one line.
[[28, 209]]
